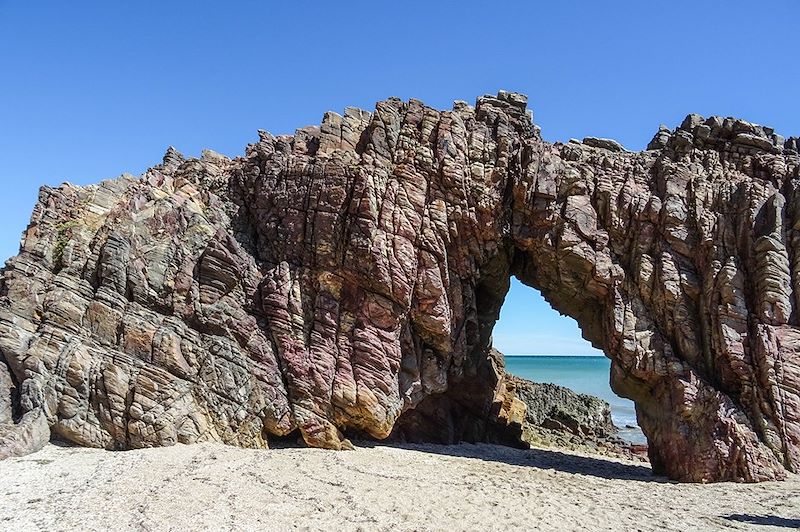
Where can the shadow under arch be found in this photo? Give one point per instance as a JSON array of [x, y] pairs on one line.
[[535, 457], [461, 413]]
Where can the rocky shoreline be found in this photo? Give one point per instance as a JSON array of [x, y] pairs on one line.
[[556, 417], [521, 414], [552, 416]]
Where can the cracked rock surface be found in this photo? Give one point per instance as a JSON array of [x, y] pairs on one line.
[[345, 280]]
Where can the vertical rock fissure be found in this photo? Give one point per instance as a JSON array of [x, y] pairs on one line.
[[10, 409]]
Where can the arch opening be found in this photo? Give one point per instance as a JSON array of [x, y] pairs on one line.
[[546, 347]]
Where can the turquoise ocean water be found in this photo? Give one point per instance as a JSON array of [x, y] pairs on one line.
[[583, 374]]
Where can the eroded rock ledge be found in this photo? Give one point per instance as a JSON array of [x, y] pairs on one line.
[[339, 279]]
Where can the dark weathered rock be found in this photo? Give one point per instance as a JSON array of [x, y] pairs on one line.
[[560, 409], [522, 414], [607, 144], [348, 276], [7, 388]]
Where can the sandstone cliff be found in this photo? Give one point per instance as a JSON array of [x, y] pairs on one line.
[[336, 280]]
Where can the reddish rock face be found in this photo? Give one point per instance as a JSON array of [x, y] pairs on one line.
[[346, 280]]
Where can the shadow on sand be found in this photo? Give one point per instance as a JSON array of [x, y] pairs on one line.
[[538, 458], [766, 520]]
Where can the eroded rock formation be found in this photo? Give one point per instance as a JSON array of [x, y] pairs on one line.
[[522, 414], [555, 414], [336, 280]]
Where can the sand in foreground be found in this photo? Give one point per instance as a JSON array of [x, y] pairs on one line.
[[422, 487]]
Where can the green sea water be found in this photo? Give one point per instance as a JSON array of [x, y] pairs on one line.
[[582, 374]]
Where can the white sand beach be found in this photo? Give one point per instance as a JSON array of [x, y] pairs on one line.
[[420, 487]]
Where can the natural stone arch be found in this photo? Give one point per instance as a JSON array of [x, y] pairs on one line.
[[346, 278]]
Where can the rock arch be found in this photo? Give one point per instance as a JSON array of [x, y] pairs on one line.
[[347, 278]]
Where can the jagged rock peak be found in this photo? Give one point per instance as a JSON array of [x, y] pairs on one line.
[[172, 158], [729, 135]]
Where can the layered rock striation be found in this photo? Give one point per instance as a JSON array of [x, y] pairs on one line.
[[339, 280]]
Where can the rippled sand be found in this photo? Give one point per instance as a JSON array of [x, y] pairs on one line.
[[421, 487]]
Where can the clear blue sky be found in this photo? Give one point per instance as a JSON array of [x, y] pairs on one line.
[[93, 89]]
